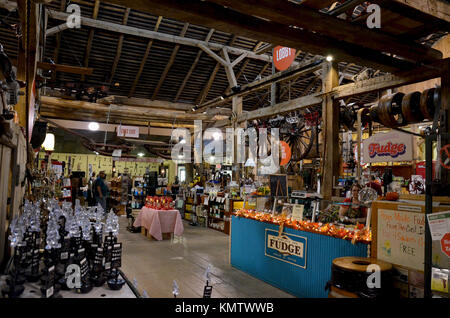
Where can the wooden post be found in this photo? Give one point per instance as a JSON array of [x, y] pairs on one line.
[[237, 109], [330, 114]]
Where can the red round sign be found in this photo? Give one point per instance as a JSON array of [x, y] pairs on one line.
[[445, 244], [445, 156], [283, 57], [285, 153]]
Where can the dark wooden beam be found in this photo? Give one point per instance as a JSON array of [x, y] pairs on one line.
[[65, 68], [379, 83], [287, 13], [197, 58], [119, 46], [169, 63], [144, 59], [90, 38]]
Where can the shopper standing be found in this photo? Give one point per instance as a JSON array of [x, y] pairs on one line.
[[101, 190]]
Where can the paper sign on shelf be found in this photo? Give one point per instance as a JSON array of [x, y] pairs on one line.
[[439, 224], [297, 212]]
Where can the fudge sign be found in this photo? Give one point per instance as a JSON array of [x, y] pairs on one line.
[[387, 147], [283, 57], [288, 248]]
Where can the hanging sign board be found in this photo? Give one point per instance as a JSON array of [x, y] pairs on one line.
[[283, 57], [128, 131], [388, 147], [285, 153]]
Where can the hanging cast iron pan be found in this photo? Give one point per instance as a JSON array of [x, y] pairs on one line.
[[411, 108], [390, 110], [429, 100]]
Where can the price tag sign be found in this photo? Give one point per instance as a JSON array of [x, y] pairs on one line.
[[116, 260], [297, 212]]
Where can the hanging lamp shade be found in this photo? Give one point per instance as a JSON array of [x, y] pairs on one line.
[[49, 142]]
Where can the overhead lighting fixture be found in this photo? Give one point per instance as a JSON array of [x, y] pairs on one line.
[[49, 142], [180, 156], [212, 158], [329, 58], [93, 126], [216, 136], [140, 154], [96, 153], [182, 141]]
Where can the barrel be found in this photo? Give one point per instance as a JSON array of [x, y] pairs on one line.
[[411, 108], [349, 278]]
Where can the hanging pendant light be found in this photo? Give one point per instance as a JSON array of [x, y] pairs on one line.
[[49, 142]]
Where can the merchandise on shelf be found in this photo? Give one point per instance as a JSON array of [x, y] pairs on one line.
[[357, 234], [160, 203]]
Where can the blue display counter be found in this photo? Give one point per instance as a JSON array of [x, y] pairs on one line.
[[297, 262]]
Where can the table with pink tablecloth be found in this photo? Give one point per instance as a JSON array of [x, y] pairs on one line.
[[158, 222]]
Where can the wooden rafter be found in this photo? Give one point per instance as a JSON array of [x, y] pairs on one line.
[[58, 42], [197, 58], [144, 59], [65, 68], [119, 47], [205, 91], [242, 69], [119, 28], [169, 64], [90, 38], [228, 20]]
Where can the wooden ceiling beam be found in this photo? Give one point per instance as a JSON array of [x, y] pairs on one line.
[[379, 83], [142, 102], [119, 46], [144, 59], [197, 58], [58, 42], [287, 13], [169, 63], [227, 20], [90, 38], [212, 77], [118, 28], [122, 110], [65, 68]]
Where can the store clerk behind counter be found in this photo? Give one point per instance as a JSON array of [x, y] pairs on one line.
[[353, 213]]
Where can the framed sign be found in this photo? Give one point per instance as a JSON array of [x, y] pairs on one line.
[[128, 131], [287, 248], [388, 147]]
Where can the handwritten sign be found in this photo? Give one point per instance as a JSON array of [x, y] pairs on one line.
[[401, 238]]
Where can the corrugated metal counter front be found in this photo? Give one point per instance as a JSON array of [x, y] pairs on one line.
[[298, 262]]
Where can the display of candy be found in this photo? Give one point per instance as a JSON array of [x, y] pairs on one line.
[[159, 203], [357, 234]]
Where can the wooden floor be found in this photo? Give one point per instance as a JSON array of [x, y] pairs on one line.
[[154, 265]]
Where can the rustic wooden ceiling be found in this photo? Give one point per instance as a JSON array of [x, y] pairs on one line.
[[134, 67]]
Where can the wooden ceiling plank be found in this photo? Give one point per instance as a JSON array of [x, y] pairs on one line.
[[58, 42], [197, 58], [90, 38], [169, 64], [119, 47], [144, 59]]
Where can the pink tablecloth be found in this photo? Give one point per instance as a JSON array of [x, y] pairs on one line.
[[158, 222]]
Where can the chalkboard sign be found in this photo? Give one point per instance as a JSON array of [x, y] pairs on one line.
[[278, 185]]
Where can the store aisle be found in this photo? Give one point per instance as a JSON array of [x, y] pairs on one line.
[[155, 264]]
